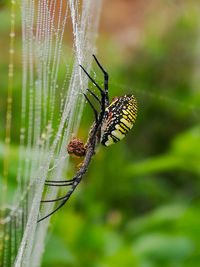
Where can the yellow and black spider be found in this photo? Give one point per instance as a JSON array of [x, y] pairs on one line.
[[110, 126]]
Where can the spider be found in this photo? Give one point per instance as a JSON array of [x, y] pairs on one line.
[[110, 126]]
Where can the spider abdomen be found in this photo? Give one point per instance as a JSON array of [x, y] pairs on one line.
[[119, 118]]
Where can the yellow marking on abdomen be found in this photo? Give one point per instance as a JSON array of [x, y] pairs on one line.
[[121, 128], [124, 126], [129, 125], [131, 114], [117, 134]]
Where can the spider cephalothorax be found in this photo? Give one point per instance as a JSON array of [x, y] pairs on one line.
[[110, 126]]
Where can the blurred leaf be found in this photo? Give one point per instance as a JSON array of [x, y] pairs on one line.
[[161, 218], [184, 154], [124, 257], [56, 252], [163, 248]]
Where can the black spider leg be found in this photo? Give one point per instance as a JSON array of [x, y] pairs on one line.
[[93, 108], [64, 184], [52, 200], [105, 81], [59, 183], [102, 94], [96, 97]]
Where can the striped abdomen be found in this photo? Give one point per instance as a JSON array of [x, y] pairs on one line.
[[119, 118]]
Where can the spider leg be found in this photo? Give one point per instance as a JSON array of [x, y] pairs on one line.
[[65, 198], [61, 181], [93, 108], [103, 93], [96, 97], [52, 200], [93, 81], [65, 184], [62, 203], [105, 79]]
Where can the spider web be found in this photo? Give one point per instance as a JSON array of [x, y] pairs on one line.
[[51, 111]]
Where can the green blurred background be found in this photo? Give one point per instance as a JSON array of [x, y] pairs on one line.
[[139, 202]]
